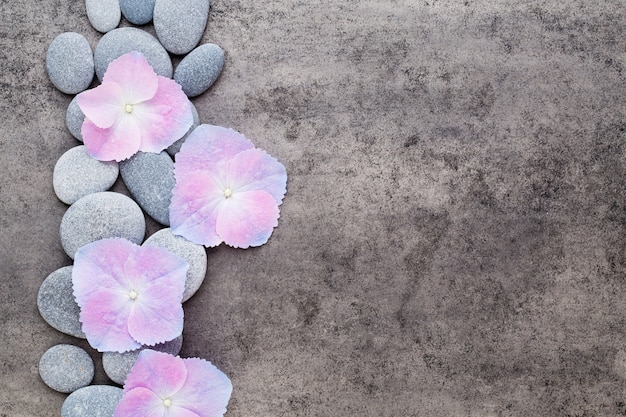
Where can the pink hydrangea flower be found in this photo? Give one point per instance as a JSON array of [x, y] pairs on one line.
[[128, 295], [226, 190], [161, 385], [134, 109]]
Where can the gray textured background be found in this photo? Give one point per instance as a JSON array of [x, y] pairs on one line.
[[452, 241]]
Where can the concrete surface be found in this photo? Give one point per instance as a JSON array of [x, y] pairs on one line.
[[452, 242]]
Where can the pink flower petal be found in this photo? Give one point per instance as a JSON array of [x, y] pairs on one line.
[[206, 391], [102, 105], [176, 411], [140, 402], [247, 219], [254, 169], [119, 142], [146, 265], [135, 76], [159, 372]]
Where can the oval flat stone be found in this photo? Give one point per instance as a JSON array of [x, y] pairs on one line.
[[74, 119], [66, 368], [123, 40], [92, 401], [69, 63], [175, 147], [194, 254], [138, 12], [104, 15], [150, 178], [200, 69], [76, 174], [179, 24], [99, 216], [56, 303]]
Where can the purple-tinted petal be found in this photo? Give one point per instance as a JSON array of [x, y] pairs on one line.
[[254, 169], [176, 411], [159, 372], [119, 142], [247, 219], [134, 75], [102, 105], [206, 391], [140, 402], [147, 264]]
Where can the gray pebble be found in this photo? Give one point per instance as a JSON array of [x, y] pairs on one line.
[[104, 15], [123, 40], [74, 119], [150, 178], [76, 174], [118, 365], [99, 216], [200, 69], [194, 254], [138, 12], [175, 147], [56, 303], [179, 24], [69, 63], [92, 401], [66, 368]]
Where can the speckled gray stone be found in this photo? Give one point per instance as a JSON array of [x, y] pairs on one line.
[[66, 368], [99, 216], [92, 401], [56, 303], [150, 178], [200, 69], [76, 174], [104, 15], [123, 40], [138, 12], [175, 147], [69, 63], [74, 119], [118, 365], [194, 254], [179, 24]]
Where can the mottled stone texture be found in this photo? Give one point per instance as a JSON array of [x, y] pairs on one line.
[[453, 238]]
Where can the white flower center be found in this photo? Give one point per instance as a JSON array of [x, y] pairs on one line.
[[228, 192], [167, 402], [133, 294], [128, 108]]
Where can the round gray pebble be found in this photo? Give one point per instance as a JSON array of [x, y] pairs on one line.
[[194, 254], [179, 24], [104, 15], [200, 69], [138, 12], [74, 119], [76, 174], [92, 401], [99, 216], [118, 365], [69, 63], [56, 303], [175, 147], [123, 40], [66, 368], [150, 178]]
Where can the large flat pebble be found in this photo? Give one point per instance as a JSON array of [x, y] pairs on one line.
[[104, 15], [99, 216], [76, 174], [175, 147], [70, 63], [123, 40], [200, 69], [74, 118], [56, 303], [150, 178], [138, 12], [92, 401], [179, 24], [66, 368], [194, 254]]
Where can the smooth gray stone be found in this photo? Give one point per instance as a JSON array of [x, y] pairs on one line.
[[69, 63], [104, 15], [76, 174], [92, 401], [200, 69], [118, 365], [74, 119], [175, 147], [150, 179], [99, 216], [66, 368], [194, 254], [179, 24], [123, 40], [56, 303], [138, 12]]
